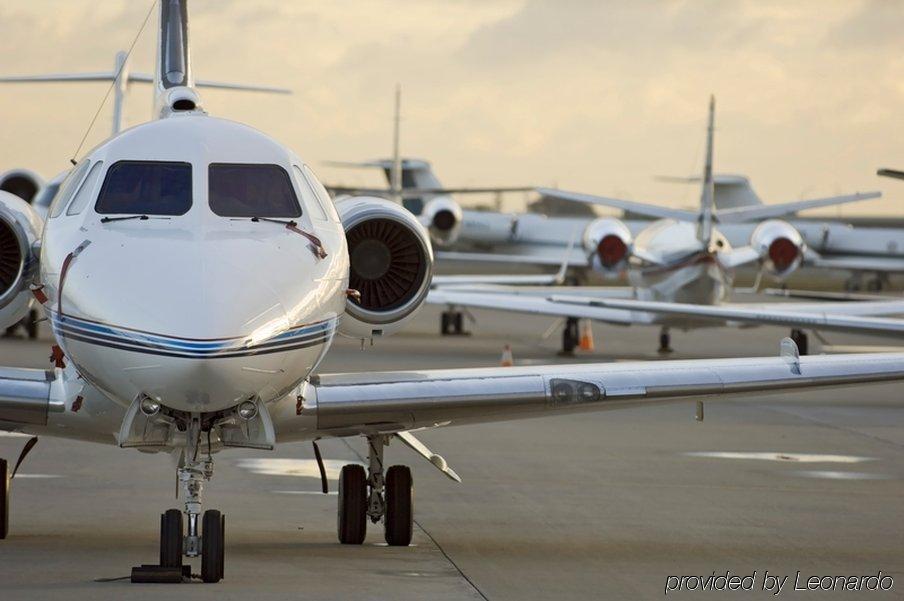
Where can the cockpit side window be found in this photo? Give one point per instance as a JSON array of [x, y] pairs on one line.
[[146, 188], [246, 190], [68, 188], [321, 193], [86, 192], [313, 204]]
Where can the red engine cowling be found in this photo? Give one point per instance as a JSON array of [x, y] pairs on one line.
[[780, 246], [608, 245]]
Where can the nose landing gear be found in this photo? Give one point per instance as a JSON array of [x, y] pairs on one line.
[[376, 497], [205, 535]]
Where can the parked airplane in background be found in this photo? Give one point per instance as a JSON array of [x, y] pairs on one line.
[[191, 311], [681, 270], [413, 185]]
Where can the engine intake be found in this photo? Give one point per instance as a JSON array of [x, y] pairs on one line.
[[780, 246], [391, 265], [442, 217], [608, 244], [22, 183], [20, 228]]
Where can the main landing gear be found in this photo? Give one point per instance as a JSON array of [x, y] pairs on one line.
[[665, 341], [800, 339], [452, 322], [205, 535], [571, 337], [6, 478], [376, 497]]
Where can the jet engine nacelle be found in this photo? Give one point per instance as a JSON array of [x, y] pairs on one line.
[[607, 243], [22, 183], [442, 218], [391, 265], [780, 246], [20, 231]]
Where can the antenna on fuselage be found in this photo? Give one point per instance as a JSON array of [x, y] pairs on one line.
[[705, 220], [395, 173]]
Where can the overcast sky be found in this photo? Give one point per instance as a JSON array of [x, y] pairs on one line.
[[587, 95]]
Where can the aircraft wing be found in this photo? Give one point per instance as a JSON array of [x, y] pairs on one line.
[[760, 212], [528, 301], [575, 259], [371, 403], [626, 205], [837, 317], [418, 192], [857, 263]]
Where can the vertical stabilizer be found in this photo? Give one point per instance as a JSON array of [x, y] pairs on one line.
[[395, 173], [173, 82], [705, 223]]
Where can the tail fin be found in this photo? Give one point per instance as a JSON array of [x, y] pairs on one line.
[[705, 221], [123, 76]]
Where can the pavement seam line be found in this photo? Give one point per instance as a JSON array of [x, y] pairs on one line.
[[430, 536]]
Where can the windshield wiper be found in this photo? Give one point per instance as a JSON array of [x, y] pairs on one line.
[[316, 245], [125, 218]]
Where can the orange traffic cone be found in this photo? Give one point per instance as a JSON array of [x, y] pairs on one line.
[[586, 343], [506, 360]]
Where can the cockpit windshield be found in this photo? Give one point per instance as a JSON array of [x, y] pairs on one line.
[[146, 187], [243, 190]]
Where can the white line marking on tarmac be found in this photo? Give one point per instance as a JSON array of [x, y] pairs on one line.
[[14, 435], [770, 456], [833, 475], [300, 468], [36, 476]]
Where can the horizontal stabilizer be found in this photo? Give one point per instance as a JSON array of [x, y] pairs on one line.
[[625, 205], [891, 173], [758, 213], [135, 78]]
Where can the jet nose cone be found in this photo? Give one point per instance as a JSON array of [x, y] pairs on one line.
[[195, 331]]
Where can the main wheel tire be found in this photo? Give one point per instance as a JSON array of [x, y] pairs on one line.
[[4, 498], [213, 546], [171, 539], [352, 505], [800, 339], [458, 323], [399, 522], [569, 337]]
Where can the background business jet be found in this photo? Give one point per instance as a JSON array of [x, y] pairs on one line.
[[681, 270], [195, 273]]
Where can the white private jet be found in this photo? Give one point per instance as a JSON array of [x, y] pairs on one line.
[[681, 270], [195, 272]]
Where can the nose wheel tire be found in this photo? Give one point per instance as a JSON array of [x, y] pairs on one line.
[[213, 546], [171, 539], [4, 498], [399, 519], [352, 505]]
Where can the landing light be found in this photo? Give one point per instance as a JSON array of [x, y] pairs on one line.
[[149, 406], [248, 410]]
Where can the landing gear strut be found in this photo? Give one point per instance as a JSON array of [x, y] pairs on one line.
[[205, 535], [800, 339], [570, 336], [376, 497], [452, 322], [665, 341]]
